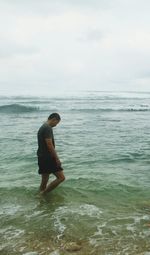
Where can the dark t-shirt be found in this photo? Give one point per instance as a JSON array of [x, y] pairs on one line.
[[44, 132]]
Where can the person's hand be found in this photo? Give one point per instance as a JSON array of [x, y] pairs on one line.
[[58, 162]]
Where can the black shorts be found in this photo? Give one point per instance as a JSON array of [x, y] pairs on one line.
[[48, 165]]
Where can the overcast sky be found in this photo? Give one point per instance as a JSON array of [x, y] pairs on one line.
[[49, 46]]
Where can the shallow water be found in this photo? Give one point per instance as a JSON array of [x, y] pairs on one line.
[[104, 205]]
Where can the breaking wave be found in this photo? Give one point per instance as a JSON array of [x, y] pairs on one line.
[[113, 110], [16, 108]]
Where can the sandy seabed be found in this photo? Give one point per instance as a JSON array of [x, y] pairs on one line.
[[43, 245]]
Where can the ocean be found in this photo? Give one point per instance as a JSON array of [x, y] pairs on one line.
[[103, 207]]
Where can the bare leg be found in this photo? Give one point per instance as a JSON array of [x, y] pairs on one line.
[[59, 178], [44, 181]]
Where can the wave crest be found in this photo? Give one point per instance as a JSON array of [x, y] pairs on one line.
[[113, 110], [16, 108]]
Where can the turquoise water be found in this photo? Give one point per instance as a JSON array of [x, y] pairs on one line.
[[104, 205]]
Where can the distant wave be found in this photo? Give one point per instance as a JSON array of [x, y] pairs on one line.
[[113, 110], [16, 108]]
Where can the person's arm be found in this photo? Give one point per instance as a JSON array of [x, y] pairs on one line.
[[52, 150]]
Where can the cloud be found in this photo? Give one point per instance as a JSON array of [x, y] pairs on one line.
[[9, 49], [45, 7], [58, 45]]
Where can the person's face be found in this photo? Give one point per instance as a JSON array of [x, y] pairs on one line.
[[55, 122]]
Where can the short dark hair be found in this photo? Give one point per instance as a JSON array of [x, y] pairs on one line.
[[54, 115]]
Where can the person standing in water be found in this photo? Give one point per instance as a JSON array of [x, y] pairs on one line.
[[48, 160]]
